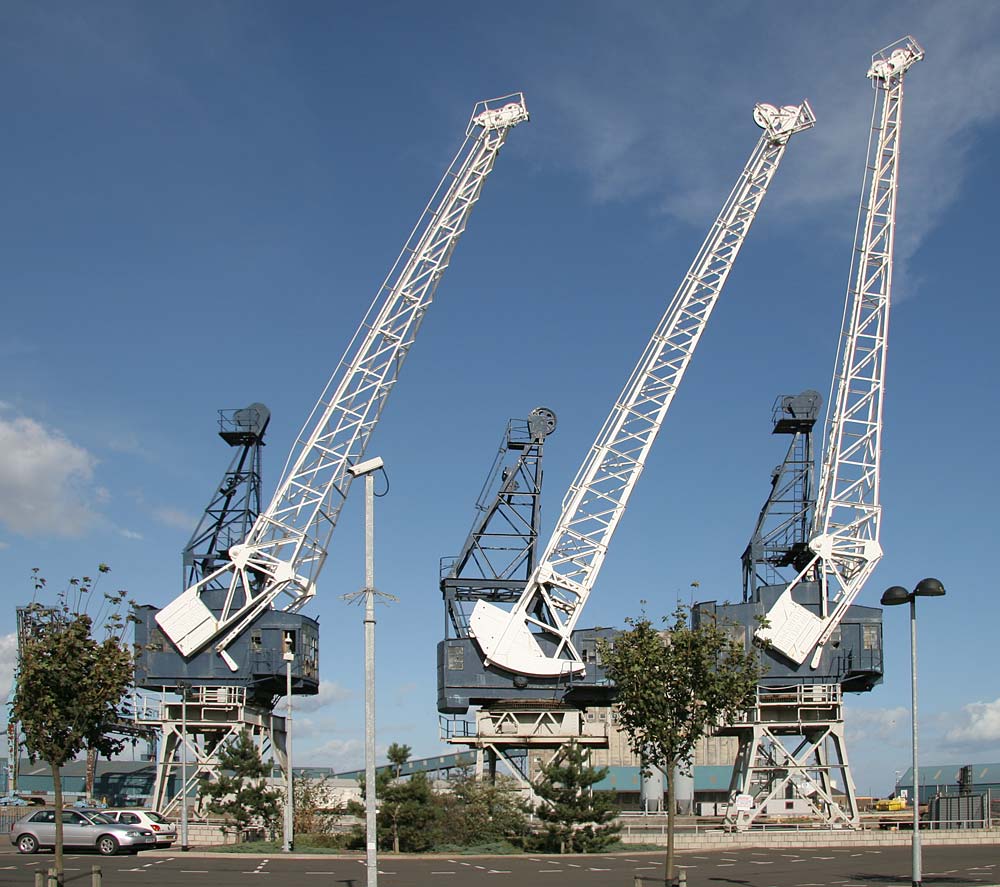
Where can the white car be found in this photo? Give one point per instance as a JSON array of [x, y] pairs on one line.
[[164, 830]]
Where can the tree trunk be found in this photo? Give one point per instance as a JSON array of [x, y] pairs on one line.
[[671, 814], [57, 790]]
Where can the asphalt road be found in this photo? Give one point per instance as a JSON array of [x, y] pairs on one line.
[[851, 867]]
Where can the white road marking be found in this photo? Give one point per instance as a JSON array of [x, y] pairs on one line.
[[762, 862], [498, 872], [194, 871], [549, 871], [442, 873], [726, 865]]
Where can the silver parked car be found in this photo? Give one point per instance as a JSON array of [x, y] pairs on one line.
[[82, 829], [161, 827]]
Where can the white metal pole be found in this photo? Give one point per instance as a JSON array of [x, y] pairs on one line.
[[289, 838], [184, 758], [370, 800], [917, 874]]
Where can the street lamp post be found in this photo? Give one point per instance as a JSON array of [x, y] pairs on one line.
[[368, 469], [288, 843], [182, 687], [892, 597]]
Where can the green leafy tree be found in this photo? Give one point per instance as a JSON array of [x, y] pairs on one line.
[[312, 815], [241, 793], [70, 683], [407, 813], [576, 817], [674, 687], [398, 755], [478, 812]]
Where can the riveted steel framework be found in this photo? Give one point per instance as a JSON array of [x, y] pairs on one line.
[[792, 744], [235, 503], [500, 551], [210, 718], [288, 543], [784, 525], [848, 512], [557, 590]]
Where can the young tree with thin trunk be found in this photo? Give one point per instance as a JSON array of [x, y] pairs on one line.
[[69, 683], [398, 754], [576, 817], [674, 687], [241, 792]]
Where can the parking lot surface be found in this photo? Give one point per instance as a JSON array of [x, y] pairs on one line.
[[841, 867]]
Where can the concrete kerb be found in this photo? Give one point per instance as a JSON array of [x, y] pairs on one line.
[[704, 841]]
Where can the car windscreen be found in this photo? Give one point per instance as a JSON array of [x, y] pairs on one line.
[[157, 817], [100, 817]]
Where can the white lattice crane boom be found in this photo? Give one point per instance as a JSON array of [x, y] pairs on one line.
[[848, 512], [557, 590], [287, 545]]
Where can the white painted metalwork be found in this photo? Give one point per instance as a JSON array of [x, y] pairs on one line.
[[287, 546], [846, 545], [557, 590], [792, 745]]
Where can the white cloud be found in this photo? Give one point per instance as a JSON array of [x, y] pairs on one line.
[[8, 661], [340, 754], [130, 534], [652, 119], [329, 692], [174, 517], [44, 481], [877, 723], [978, 724]]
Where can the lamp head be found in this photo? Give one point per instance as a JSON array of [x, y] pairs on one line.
[[929, 588], [895, 595]]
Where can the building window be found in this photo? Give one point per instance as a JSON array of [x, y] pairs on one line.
[[870, 637]]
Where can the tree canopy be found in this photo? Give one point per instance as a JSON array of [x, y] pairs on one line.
[[674, 687], [69, 683], [576, 818], [241, 793]]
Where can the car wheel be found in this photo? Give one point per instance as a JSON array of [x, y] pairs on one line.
[[107, 845], [27, 844]]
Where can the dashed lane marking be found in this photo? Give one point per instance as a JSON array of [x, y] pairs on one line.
[[498, 872], [442, 873], [194, 871]]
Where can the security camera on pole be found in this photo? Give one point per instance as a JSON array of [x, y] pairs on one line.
[[368, 468]]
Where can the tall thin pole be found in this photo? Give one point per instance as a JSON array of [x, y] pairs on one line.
[[917, 874], [289, 838], [184, 771], [370, 825]]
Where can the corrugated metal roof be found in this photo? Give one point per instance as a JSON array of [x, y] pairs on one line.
[[947, 774], [627, 779]]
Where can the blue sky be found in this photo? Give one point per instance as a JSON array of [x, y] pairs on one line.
[[202, 198]]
